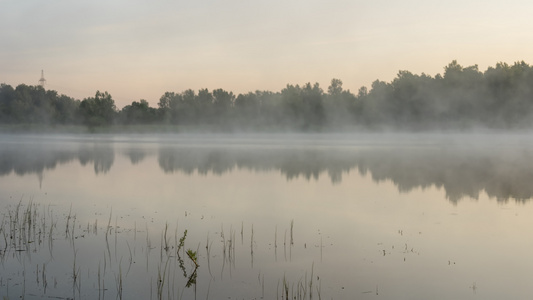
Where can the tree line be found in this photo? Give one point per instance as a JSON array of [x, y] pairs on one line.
[[462, 98]]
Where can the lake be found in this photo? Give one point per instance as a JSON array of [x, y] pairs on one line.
[[268, 216]]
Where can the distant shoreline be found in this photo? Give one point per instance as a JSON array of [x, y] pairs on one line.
[[462, 99], [39, 129]]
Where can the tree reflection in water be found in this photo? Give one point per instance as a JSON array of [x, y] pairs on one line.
[[503, 173]]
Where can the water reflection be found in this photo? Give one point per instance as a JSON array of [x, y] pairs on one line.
[[35, 158], [101, 155], [291, 162], [503, 173], [30, 160], [461, 172], [136, 155]]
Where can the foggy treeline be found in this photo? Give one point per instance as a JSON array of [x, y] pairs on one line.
[[461, 98]]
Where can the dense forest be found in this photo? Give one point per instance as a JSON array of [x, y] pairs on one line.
[[461, 98]]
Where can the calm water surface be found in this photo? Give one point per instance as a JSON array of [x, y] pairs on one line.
[[312, 216]]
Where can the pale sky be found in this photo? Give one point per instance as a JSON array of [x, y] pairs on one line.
[[140, 49]]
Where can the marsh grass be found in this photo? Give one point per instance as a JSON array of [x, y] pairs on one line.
[[252, 246], [208, 247], [276, 243], [30, 240]]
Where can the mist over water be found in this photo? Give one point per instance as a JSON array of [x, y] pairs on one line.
[[364, 215], [464, 165], [195, 182]]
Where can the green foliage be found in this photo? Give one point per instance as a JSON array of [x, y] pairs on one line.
[[182, 240], [335, 89], [463, 97], [138, 113], [193, 257], [223, 103], [34, 105], [99, 110], [192, 254]]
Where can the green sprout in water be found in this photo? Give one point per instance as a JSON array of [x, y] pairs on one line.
[[182, 240], [193, 256]]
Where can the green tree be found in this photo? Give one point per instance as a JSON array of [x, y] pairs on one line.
[[165, 106], [247, 109], [335, 88], [293, 106], [138, 113], [411, 100], [340, 106], [376, 105], [303, 107], [7, 98], [314, 114], [99, 110], [223, 103], [65, 109], [204, 106]]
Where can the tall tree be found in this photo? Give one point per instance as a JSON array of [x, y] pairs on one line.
[[98, 110], [223, 103], [138, 113]]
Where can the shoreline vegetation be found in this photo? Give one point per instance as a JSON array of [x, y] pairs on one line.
[[462, 99]]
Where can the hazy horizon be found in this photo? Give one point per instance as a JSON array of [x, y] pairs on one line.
[[135, 50]]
